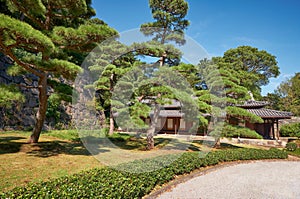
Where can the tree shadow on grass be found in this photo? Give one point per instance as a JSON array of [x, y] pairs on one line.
[[7, 144], [135, 143], [13, 144], [54, 148]]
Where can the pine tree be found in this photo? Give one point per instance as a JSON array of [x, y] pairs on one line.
[[49, 40], [168, 26], [223, 94], [112, 61]]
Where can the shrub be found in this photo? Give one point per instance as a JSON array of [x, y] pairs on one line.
[[291, 146], [112, 183], [290, 130], [238, 131]]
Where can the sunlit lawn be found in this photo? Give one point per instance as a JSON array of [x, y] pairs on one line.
[[52, 157], [60, 153]]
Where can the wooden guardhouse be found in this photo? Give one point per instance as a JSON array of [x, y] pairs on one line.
[[270, 128], [171, 119]]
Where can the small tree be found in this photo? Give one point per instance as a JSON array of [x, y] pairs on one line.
[[113, 60]]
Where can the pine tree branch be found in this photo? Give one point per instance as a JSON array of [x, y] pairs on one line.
[[29, 67], [29, 87], [25, 12]]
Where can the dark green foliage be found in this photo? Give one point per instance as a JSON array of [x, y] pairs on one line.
[[237, 112], [49, 40], [111, 183], [295, 153], [169, 24], [53, 107], [291, 146], [257, 66], [224, 91], [9, 94], [238, 131], [287, 95], [290, 130], [227, 130]]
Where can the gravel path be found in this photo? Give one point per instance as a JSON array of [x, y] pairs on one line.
[[253, 180]]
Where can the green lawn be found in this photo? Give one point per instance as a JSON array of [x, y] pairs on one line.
[[61, 153], [52, 157]]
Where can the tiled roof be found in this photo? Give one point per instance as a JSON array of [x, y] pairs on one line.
[[269, 113], [169, 113], [252, 104]]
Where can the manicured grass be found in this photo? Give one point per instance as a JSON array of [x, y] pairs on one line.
[[71, 135], [58, 153], [61, 153], [52, 157]]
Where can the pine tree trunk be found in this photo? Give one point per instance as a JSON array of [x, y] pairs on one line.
[[151, 130], [217, 143], [111, 123], [111, 118], [150, 139], [41, 113]]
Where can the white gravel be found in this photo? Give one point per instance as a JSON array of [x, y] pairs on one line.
[[253, 180]]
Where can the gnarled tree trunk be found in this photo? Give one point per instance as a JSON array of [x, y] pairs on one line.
[[151, 130], [41, 113], [111, 123]]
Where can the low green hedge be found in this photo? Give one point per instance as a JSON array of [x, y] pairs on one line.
[[291, 146], [290, 130], [112, 183]]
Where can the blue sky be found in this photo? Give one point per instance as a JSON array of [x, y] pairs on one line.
[[218, 25]]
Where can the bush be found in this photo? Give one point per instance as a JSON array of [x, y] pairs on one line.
[[291, 146], [112, 183], [290, 130], [238, 131]]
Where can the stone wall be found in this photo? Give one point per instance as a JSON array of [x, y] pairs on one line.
[[22, 116]]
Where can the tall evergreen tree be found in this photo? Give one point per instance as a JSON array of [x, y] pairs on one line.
[[168, 26], [47, 39]]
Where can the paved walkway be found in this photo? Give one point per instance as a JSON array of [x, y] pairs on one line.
[[279, 179]]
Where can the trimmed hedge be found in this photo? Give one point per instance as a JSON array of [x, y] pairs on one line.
[[291, 146], [290, 130], [111, 183]]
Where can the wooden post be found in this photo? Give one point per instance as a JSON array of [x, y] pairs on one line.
[[277, 129], [273, 130], [265, 129], [175, 125]]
